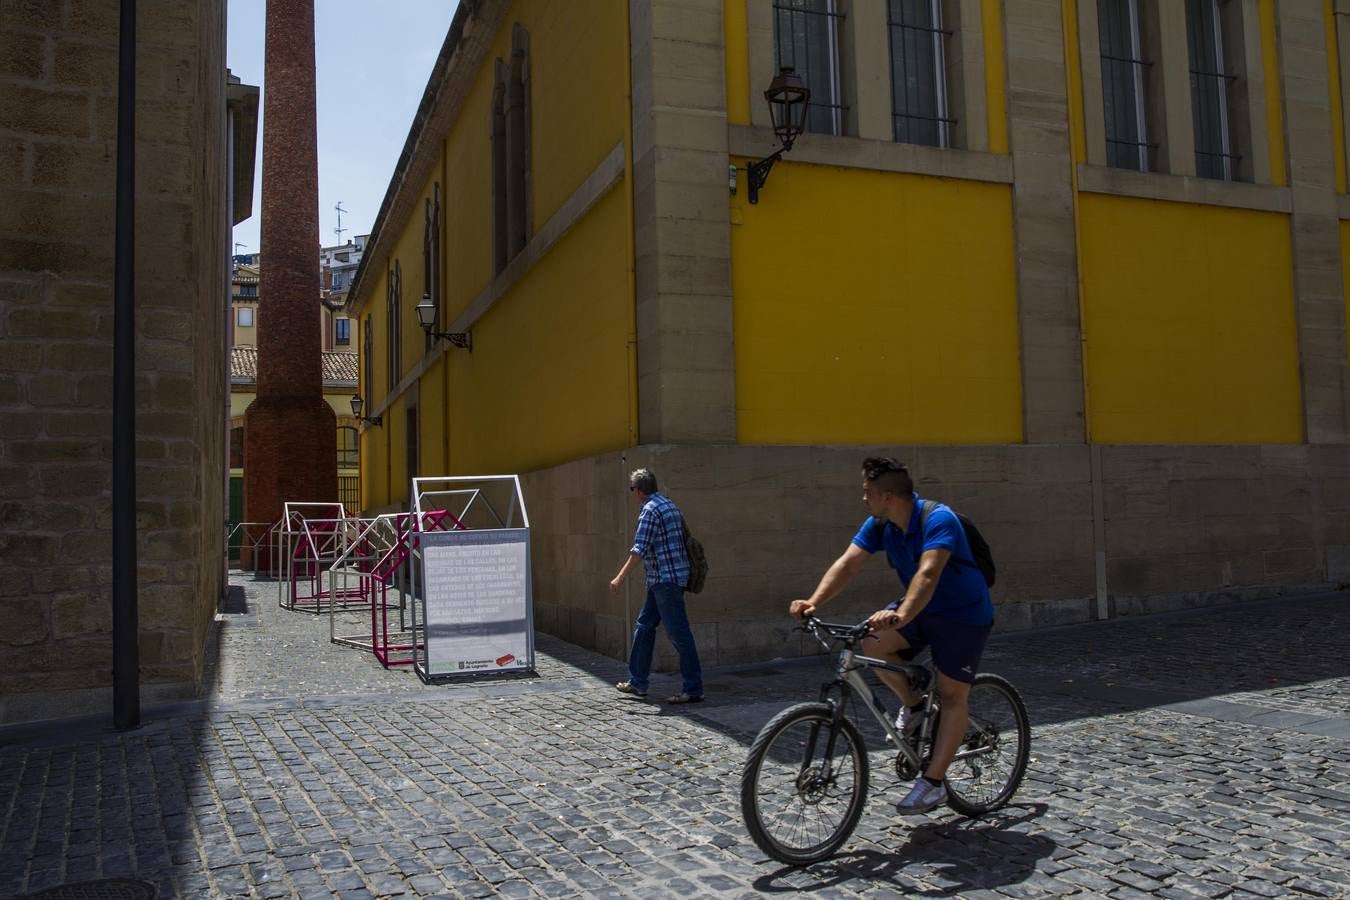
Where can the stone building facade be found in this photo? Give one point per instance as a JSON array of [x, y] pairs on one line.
[[195, 136], [1133, 377]]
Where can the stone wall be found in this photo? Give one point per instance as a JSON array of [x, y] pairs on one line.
[[58, 128], [1077, 532]]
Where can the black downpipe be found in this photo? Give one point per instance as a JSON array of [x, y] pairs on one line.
[[125, 627]]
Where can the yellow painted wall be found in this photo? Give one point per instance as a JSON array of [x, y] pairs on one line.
[[547, 379], [577, 92], [1274, 95], [995, 70], [374, 477], [408, 252], [874, 307], [1073, 69], [1188, 316]]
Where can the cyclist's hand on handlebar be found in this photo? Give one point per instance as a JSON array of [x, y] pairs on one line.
[[800, 609], [883, 618]]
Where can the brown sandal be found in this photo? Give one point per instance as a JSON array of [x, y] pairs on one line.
[[684, 698]]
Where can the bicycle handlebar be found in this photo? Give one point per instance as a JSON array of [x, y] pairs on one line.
[[850, 634]]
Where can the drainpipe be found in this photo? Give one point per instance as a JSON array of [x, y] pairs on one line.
[[126, 654]]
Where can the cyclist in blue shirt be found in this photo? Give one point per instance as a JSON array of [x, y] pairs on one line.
[[946, 606]]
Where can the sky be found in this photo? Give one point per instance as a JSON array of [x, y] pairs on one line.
[[372, 61]]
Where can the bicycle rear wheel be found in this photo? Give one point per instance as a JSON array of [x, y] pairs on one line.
[[800, 799], [992, 760]]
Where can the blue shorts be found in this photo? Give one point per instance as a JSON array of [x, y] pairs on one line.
[[957, 646]]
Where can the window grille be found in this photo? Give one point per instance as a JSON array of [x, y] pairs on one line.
[[1214, 156], [1123, 67], [368, 370], [349, 491], [806, 37], [395, 313], [348, 450], [919, 112]]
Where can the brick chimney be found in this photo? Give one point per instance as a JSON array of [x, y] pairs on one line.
[[290, 433]]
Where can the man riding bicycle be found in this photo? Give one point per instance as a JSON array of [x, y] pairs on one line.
[[946, 606]]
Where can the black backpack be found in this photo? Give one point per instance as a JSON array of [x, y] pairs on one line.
[[979, 547], [698, 562]]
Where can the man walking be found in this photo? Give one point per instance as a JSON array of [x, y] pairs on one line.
[[946, 606], [659, 543]]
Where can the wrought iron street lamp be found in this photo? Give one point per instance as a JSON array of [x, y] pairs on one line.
[[426, 314], [357, 405], [788, 98]]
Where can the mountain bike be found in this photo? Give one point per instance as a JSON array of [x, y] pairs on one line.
[[805, 781]]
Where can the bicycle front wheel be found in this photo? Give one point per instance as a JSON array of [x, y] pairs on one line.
[[805, 783], [992, 760]]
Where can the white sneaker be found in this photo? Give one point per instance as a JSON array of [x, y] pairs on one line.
[[908, 719], [922, 798]]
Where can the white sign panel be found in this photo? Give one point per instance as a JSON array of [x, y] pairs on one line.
[[476, 586]]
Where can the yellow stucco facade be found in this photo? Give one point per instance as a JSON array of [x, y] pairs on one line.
[[908, 294], [1188, 323], [855, 283], [551, 354], [1111, 368]]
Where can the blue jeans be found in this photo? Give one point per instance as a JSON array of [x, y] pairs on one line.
[[665, 603]]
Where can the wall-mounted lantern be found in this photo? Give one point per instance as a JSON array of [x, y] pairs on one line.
[[357, 405], [426, 315], [788, 98]]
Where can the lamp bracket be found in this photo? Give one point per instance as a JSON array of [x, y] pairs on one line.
[[758, 172], [461, 339]]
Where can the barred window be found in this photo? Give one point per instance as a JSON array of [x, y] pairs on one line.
[[431, 257], [1210, 83], [919, 110], [394, 311], [348, 448], [806, 37], [367, 351], [512, 177], [1123, 67]]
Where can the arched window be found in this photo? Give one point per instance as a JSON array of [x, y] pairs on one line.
[[348, 448]]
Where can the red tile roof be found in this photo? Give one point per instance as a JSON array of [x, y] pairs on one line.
[[339, 367]]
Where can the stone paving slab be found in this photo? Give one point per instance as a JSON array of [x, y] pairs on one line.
[[312, 772]]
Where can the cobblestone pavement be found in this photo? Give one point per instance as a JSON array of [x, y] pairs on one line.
[[1204, 754]]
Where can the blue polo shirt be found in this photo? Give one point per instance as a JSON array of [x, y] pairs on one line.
[[961, 594]]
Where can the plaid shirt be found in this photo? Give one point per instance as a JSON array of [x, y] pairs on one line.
[[660, 542]]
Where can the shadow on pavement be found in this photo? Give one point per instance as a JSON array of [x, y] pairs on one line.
[[1264, 660], [966, 854]]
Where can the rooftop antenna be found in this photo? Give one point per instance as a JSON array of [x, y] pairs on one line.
[[339, 229]]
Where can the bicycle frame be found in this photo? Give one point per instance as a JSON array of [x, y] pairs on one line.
[[848, 673]]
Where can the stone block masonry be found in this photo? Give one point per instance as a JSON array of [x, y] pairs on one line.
[[1180, 527], [58, 130]]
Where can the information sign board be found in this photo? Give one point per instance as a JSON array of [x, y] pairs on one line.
[[477, 603]]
